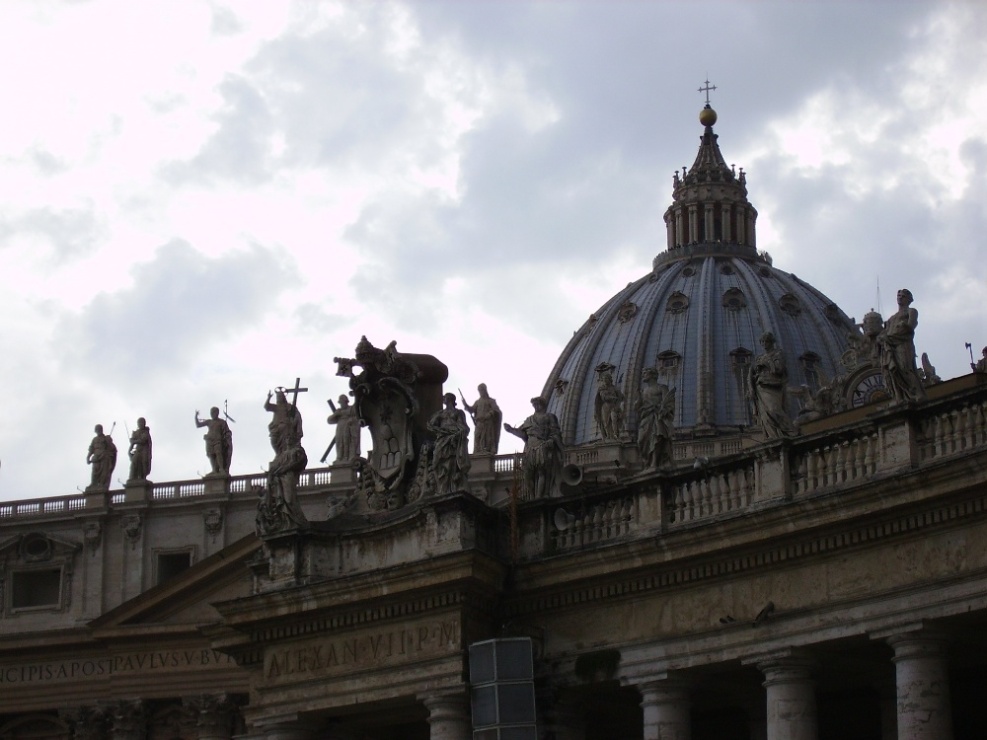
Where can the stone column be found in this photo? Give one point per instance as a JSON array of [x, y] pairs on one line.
[[666, 708], [128, 721], [448, 716], [285, 729], [924, 711], [791, 696], [213, 716]]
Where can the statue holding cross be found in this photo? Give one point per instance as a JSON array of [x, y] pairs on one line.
[[285, 428], [278, 509]]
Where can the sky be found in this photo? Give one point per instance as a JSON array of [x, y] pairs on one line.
[[201, 201]]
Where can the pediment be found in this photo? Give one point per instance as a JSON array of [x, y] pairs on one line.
[[187, 598], [37, 547]]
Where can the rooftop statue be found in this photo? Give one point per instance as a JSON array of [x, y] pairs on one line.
[[897, 343], [396, 394], [278, 508], [767, 385], [140, 452], [450, 454], [347, 439], [219, 441], [543, 457], [980, 366], [487, 418], [656, 413], [103, 457], [285, 428], [609, 406], [928, 373]]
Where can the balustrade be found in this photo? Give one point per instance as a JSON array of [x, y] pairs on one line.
[[709, 493]]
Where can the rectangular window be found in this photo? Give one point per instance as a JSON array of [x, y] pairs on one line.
[[32, 589], [172, 564]]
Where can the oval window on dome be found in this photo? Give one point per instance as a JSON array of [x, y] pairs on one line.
[[627, 312], [689, 271], [790, 304], [668, 360], [764, 272], [727, 269], [677, 302], [734, 299]]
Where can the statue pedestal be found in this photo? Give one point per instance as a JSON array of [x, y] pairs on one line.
[[217, 484], [342, 473], [137, 490]]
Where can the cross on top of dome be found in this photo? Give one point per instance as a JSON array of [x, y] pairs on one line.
[[707, 116]]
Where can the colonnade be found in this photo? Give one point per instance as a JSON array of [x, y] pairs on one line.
[[919, 710]]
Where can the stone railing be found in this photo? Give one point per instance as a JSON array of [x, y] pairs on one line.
[[953, 430], [835, 462], [42, 506], [708, 491], [599, 522]]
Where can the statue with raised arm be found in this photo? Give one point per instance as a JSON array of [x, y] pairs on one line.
[[285, 428], [541, 465], [278, 508], [897, 343], [347, 421], [656, 412], [487, 418], [767, 386], [140, 452], [608, 410], [219, 441], [103, 457], [450, 454]]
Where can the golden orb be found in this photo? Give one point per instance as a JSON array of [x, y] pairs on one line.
[[707, 116]]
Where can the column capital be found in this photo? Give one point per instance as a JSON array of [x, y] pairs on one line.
[[788, 664]]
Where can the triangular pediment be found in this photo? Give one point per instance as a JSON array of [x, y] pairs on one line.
[[187, 598]]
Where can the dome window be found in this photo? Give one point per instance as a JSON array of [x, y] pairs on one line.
[[790, 304], [810, 369], [734, 300], [627, 312], [764, 272], [727, 269], [668, 360], [833, 313], [689, 271], [677, 302], [741, 357]]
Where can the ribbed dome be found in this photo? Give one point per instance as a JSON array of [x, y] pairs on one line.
[[698, 317]]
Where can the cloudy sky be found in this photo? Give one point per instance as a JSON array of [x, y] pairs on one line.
[[200, 201]]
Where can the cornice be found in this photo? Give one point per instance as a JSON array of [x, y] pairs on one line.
[[691, 569]]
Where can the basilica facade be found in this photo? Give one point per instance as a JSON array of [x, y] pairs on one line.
[[740, 514]]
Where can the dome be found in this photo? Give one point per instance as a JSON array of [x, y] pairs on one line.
[[698, 316]]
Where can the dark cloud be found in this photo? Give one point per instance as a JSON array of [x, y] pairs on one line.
[[70, 232], [180, 302]]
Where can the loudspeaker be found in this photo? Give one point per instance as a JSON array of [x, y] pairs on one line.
[[563, 519], [572, 475]]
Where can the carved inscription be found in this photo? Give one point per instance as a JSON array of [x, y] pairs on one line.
[[376, 649], [98, 667]]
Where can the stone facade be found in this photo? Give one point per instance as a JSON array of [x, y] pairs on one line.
[[829, 585]]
